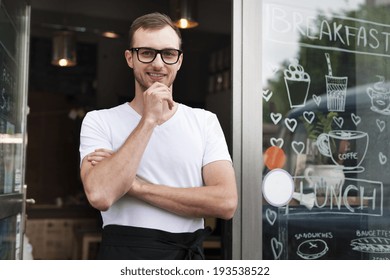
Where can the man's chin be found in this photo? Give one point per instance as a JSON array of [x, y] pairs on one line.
[[144, 86], [161, 82]]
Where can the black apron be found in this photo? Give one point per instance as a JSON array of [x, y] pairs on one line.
[[135, 243]]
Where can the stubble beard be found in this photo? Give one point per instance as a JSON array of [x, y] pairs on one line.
[[143, 86]]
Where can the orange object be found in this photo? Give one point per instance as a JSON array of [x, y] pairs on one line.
[[274, 157]]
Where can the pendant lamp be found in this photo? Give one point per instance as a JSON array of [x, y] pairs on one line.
[[64, 49], [184, 13]]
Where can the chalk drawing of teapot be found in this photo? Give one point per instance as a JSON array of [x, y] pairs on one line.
[[380, 97]]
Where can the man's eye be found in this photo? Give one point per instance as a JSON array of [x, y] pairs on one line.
[[147, 53], [169, 53]]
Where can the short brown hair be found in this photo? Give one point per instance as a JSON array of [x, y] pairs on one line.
[[152, 21]]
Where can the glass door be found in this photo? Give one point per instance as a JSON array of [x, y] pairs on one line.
[[14, 34], [326, 129]]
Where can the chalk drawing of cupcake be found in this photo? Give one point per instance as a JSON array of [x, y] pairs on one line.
[[297, 84]]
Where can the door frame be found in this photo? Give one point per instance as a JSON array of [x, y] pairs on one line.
[[247, 127]]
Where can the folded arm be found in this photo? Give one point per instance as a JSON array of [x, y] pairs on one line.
[[218, 198], [106, 182]]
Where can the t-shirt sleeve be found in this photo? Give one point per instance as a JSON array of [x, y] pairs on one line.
[[93, 135], [215, 142]]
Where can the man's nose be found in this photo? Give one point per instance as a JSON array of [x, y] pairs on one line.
[[158, 62]]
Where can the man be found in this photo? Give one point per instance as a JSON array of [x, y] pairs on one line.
[[153, 167]]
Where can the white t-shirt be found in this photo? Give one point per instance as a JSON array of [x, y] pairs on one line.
[[174, 156]]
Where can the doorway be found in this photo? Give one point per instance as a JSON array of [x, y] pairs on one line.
[[60, 97]]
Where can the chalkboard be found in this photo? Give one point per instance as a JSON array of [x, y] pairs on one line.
[[326, 93]]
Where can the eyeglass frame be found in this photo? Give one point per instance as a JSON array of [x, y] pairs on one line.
[[180, 52]]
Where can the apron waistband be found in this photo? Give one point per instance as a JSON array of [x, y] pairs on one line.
[[137, 237]]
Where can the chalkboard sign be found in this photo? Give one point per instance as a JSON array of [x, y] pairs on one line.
[[326, 91]]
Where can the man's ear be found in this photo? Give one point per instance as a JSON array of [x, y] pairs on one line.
[[129, 58]]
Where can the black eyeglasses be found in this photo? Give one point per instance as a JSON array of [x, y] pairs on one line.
[[147, 55]]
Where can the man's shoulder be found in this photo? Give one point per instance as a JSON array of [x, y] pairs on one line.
[[107, 111]]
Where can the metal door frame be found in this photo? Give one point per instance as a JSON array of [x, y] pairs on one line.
[[247, 127]]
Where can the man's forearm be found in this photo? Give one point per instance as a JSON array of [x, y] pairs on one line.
[[109, 180], [217, 199]]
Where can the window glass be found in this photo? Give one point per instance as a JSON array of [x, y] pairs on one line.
[[326, 112]]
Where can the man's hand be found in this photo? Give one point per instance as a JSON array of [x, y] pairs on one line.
[[98, 155], [154, 102]]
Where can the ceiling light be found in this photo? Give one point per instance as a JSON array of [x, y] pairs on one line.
[[64, 49], [184, 13], [110, 34]]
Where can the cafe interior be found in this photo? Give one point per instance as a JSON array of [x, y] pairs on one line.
[[93, 74]]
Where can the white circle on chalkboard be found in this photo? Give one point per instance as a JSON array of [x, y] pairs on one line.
[[278, 187]]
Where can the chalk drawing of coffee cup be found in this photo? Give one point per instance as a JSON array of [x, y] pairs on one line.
[[325, 178], [344, 147], [297, 83]]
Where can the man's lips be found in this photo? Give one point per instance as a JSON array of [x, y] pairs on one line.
[[156, 75]]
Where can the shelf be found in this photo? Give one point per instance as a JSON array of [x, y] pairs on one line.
[[52, 211]]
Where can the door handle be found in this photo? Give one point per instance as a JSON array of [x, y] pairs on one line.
[[30, 201]]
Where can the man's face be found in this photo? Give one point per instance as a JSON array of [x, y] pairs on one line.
[[156, 71]]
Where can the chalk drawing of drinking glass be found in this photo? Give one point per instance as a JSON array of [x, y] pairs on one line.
[[297, 83], [380, 97], [336, 89], [346, 148]]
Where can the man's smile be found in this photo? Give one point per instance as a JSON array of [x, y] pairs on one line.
[[156, 76]]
